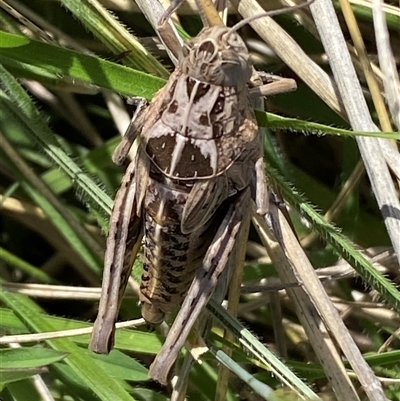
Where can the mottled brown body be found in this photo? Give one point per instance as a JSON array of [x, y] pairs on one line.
[[198, 151], [171, 258], [201, 136]]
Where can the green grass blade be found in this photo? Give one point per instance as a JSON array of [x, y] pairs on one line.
[[95, 161], [21, 108], [60, 63], [130, 340], [7, 377], [260, 352], [22, 358], [275, 122], [260, 388], [114, 35], [339, 242], [98, 380], [24, 266], [67, 224]]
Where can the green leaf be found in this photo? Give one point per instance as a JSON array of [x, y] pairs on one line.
[[144, 394], [275, 122], [122, 366], [27, 268], [384, 358], [114, 35], [49, 59], [130, 340], [22, 358], [23, 390], [104, 386], [16, 375]]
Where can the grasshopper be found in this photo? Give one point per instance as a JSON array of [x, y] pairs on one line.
[[198, 167]]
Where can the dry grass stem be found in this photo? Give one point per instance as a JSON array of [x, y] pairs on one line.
[[359, 116], [28, 338]]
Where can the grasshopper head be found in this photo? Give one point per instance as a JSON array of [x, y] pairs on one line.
[[217, 56]]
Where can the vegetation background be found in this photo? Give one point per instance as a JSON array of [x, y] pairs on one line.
[[65, 70]]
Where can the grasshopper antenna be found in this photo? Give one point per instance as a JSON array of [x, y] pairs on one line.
[[272, 13], [207, 12]]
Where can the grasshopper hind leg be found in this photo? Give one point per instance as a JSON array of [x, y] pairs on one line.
[[214, 263], [123, 242]]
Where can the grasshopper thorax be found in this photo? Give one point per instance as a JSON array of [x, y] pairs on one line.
[[217, 56]]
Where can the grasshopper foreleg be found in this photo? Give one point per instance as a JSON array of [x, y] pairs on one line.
[[273, 85], [133, 130]]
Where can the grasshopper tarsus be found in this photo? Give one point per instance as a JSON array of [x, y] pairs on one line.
[[175, 4]]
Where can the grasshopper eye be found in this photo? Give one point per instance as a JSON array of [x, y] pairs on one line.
[[229, 65]]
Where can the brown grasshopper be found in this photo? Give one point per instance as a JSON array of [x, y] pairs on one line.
[[197, 170]]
